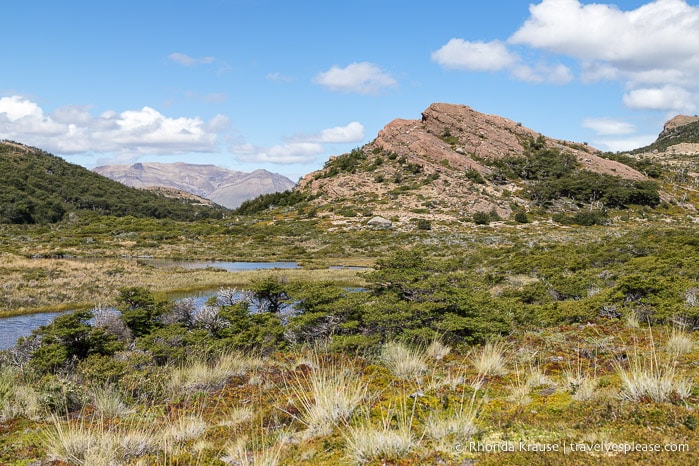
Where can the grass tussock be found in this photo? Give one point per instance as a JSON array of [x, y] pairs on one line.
[[581, 383], [202, 372], [490, 359], [404, 362], [327, 395], [649, 376], [437, 350], [447, 427], [366, 442], [16, 397], [84, 444], [244, 452], [679, 342], [109, 403]]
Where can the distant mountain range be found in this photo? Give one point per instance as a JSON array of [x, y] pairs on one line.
[[38, 187], [225, 187]]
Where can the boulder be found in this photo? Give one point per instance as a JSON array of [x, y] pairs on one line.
[[380, 222]]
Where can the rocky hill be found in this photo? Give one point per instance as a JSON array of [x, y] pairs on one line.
[[680, 136], [225, 187], [455, 162]]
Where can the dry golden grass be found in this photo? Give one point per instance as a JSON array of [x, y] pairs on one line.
[[490, 359], [404, 362], [389, 441], [313, 408], [202, 373], [327, 395], [39, 285], [648, 375], [89, 444], [17, 398]]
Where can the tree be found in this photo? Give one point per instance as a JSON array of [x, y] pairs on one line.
[[140, 310], [269, 294], [71, 337]]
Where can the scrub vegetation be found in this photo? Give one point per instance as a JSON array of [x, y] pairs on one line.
[[490, 342]]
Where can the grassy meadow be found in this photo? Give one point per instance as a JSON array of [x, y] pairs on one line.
[[503, 343]]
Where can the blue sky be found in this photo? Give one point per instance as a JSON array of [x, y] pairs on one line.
[[284, 85]]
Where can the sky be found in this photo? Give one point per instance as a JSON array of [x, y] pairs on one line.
[[284, 85]]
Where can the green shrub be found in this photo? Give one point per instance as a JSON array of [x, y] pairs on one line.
[[521, 217], [481, 218], [423, 224], [140, 310], [68, 339], [474, 176]]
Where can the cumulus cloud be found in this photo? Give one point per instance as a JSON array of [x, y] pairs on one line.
[[666, 98], [655, 34], [459, 54], [186, 60], [543, 73], [653, 49], [623, 144], [362, 78], [294, 152], [74, 129], [616, 135], [301, 148], [353, 132], [608, 126], [474, 56]]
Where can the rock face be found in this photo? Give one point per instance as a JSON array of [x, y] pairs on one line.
[[461, 136], [224, 187], [676, 122], [441, 166]]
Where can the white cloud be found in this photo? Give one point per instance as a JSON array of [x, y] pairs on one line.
[[666, 98], [362, 78], [624, 144], [186, 60], [13, 108], [73, 129], [294, 152], [463, 55], [353, 132], [653, 49], [657, 33], [301, 148], [474, 56], [608, 126], [542, 73]]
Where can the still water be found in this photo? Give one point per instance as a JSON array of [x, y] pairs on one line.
[[12, 328]]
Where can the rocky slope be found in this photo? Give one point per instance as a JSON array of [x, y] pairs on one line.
[[225, 187], [445, 166], [680, 136]]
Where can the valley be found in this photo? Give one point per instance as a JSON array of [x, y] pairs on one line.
[[506, 298]]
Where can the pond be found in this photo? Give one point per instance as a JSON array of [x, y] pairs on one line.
[[224, 265], [12, 328]]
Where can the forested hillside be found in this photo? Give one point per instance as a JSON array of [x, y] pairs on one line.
[[38, 187]]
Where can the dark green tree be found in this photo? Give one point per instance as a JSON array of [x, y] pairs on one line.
[[70, 338]]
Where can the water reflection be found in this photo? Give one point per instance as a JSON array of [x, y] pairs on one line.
[[224, 265], [12, 328]]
